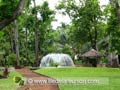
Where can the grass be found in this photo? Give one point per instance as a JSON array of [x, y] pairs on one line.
[[8, 83], [112, 74]]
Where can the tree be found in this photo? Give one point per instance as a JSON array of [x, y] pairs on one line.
[[116, 4], [14, 15], [31, 19], [36, 35], [46, 16], [86, 18], [15, 28], [114, 26]]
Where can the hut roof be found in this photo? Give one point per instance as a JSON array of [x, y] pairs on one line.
[[92, 53]]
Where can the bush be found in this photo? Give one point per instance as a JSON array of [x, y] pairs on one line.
[[27, 60], [54, 64], [104, 59], [18, 80], [78, 62], [21, 82], [11, 59]]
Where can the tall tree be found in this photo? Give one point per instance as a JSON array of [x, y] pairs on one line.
[[14, 14], [15, 28], [114, 26], [36, 35], [43, 17], [117, 6], [86, 16]]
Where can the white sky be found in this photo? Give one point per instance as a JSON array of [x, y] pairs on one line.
[[59, 17]]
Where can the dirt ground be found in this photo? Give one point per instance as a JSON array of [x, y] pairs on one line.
[[32, 81]]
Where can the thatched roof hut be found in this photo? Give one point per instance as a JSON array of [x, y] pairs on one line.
[[92, 53]]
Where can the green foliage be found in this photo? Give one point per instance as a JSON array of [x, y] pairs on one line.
[[45, 12], [26, 25], [104, 60], [11, 59], [1, 57], [66, 49], [18, 80], [54, 64], [21, 82], [27, 60], [114, 30], [89, 23], [78, 62], [7, 7], [44, 28], [86, 18], [1, 34], [47, 16]]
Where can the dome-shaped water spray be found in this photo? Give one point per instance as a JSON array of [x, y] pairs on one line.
[[53, 60]]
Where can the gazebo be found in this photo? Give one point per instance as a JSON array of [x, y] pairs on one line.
[[92, 54], [91, 57]]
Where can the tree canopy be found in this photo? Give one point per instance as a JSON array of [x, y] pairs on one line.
[[27, 34]]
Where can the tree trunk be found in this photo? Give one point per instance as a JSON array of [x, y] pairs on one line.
[[117, 6], [36, 38], [92, 39], [11, 36], [36, 49], [16, 13], [94, 46], [26, 40], [16, 43]]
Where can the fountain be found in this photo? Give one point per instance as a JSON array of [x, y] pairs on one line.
[[56, 60]]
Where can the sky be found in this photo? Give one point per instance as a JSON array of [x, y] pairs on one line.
[[59, 17]]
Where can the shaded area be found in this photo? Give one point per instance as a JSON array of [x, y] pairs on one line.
[[1, 77]]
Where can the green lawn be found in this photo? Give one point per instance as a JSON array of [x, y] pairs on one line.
[[8, 83], [111, 74]]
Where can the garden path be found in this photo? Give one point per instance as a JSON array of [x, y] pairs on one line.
[[32, 81]]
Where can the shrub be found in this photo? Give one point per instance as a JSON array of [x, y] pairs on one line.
[[18, 80], [11, 59], [21, 82], [54, 64]]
